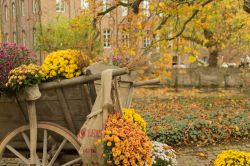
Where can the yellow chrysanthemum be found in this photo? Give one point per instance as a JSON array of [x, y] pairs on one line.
[[64, 64], [131, 116], [125, 142], [231, 157]]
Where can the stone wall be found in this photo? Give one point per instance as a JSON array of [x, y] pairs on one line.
[[209, 77]]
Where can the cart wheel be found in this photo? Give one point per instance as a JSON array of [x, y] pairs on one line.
[[53, 139]]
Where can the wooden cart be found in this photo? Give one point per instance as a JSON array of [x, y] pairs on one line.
[[43, 132]]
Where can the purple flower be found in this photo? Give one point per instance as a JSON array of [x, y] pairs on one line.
[[12, 56]]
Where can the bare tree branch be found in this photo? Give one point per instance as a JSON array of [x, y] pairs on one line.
[[187, 21]]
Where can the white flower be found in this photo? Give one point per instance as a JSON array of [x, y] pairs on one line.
[[163, 152]]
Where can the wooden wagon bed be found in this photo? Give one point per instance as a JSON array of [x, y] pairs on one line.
[[48, 135]]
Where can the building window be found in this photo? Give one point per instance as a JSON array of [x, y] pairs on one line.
[[157, 38], [205, 59], [84, 4], [34, 37], [146, 42], [13, 11], [60, 6], [107, 38], [175, 60], [6, 37], [23, 37], [6, 12], [146, 9], [106, 6], [124, 8], [14, 37], [35, 6], [22, 8], [125, 40]]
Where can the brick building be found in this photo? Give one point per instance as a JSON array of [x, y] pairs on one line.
[[19, 19]]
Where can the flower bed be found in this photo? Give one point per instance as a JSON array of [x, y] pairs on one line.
[[231, 157], [183, 120]]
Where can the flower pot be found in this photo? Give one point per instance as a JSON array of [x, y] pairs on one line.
[[32, 93]]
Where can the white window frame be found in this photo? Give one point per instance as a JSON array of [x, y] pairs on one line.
[[175, 60], [14, 37], [146, 8], [107, 38], [22, 8], [125, 39], [157, 38], [146, 41], [60, 6], [6, 12], [23, 37], [35, 7], [13, 10], [6, 37], [34, 37], [106, 5], [84, 4], [124, 9]]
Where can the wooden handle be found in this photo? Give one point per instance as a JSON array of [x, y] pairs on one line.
[[33, 130], [147, 82], [79, 80]]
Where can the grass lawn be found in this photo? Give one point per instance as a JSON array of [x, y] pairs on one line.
[[194, 117]]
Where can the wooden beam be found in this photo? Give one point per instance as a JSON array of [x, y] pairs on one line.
[[85, 92], [92, 89], [72, 161], [147, 82], [19, 155], [79, 80], [33, 130], [130, 96], [45, 144], [27, 141], [66, 110], [57, 152]]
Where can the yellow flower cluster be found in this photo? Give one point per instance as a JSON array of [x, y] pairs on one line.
[[125, 143], [231, 157], [24, 76], [64, 64], [131, 116]]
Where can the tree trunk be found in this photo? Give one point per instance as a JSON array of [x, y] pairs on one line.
[[247, 5], [213, 58]]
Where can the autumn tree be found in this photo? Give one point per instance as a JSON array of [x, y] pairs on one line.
[[63, 33], [158, 23], [220, 25]]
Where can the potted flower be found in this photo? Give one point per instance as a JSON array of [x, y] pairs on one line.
[[12, 56], [163, 155], [64, 64], [125, 143], [132, 116], [25, 77]]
